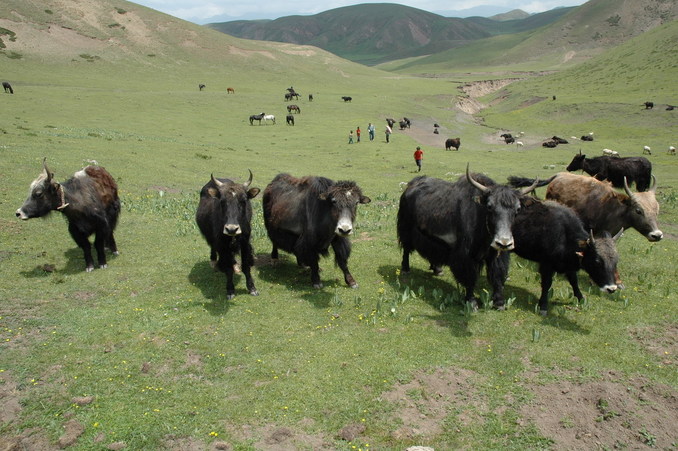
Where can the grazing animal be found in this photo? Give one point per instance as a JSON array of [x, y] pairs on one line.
[[346, 98], [647, 150], [452, 142], [462, 225], [435, 131], [407, 121], [600, 206], [7, 87], [294, 108], [552, 235], [509, 140], [519, 143], [435, 125], [403, 125], [230, 91], [90, 202], [201, 86], [672, 150], [310, 97], [559, 140], [587, 138], [636, 170], [288, 96], [305, 216], [609, 153], [290, 119], [256, 117], [670, 107], [269, 117], [549, 144], [224, 217], [390, 121], [649, 105]]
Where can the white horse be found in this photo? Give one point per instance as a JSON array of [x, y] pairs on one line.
[[269, 117]]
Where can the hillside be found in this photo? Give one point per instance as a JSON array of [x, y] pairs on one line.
[[583, 32], [375, 33]]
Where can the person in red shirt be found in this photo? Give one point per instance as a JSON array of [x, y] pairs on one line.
[[418, 156], [357, 134]]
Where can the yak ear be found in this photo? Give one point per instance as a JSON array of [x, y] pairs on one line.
[[322, 196], [213, 192], [252, 193], [582, 244], [365, 200]]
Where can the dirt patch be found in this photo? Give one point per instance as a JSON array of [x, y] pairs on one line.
[[612, 413], [10, 407], [431, 396], [661, 341], [272, 437]]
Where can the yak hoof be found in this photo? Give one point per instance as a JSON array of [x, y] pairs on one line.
[[116, 252], [353, 285], [213, 264], [318, 285], [254, 292], [543, 312], [230, 296], [89, 269], [104, 266], [501, 308]]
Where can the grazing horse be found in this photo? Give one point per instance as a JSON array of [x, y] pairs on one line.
[[256, 117], [230, 91], [290, 119], [8, 87], [291, 108], [201, 86], [269, 117], [290, 95]]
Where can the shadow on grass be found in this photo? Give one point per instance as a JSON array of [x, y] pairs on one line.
[[75, 264], [212, 285], [296, 280]]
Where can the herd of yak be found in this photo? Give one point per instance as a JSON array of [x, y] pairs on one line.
[[465, 225]]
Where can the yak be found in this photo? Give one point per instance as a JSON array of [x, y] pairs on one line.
[[305, 216], [346, 98], [90, 202], [7, 87], [636, 170], [463, 225], [224, 218], [452, 142], [552, 235]]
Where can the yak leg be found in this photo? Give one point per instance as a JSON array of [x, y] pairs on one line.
[[110, 241], [342, 250], [467, 275], [226, 265], [247, 258], [497, 272], [315, 271], [82, 241], [574, 283], [100, 246], [546, 274]]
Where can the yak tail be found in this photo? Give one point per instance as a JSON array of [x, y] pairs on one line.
[[519, 182]]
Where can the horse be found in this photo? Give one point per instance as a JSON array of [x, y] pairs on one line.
[[290, 95], [269, 117], [256, 117], [201, 86], [230, 91], [291, 108], [290, 119], [8, 87]]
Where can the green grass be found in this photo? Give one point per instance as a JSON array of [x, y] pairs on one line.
[[166, 356]]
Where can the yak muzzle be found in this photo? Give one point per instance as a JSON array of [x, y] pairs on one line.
[[655, 235], [609, 288], [232, 229], [503, 244], [21, 215], [344, 229]]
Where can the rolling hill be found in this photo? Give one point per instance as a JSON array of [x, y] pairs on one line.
[[375, 33]]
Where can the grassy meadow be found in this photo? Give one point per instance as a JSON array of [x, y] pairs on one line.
[[164, 361]]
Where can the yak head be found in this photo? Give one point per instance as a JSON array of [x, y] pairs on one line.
[[643, 210], [44, 195], [235, 210], [343, 198], [501, 204], [577, 162], [599, 259]]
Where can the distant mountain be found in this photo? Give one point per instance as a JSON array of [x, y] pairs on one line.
[[516, 14], [376, 33]]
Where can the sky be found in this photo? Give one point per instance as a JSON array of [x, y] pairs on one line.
[[208, 11]]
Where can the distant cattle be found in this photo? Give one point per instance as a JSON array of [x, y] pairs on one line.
[[452, 142], [290, 119], [463, 225], [230, 91], [636, 170], [506, 135], [550, 144], [310, 97], [587, 138], [407, 121], [294, 108], [224, 218], [552, 235], [649, 105], [390, 121], [559, 140], [90, 202], [670, 107], [7, 87], [403, 125], [305, 216], [201, 86], [600, 206], [346, 98], [509, 140]]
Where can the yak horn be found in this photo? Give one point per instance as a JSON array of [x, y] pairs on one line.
[[216, 182], [249, 181], [532, 187], [627, 190], [653, 187], [591, 239], [618, 235], [47, 171], [473, 182]]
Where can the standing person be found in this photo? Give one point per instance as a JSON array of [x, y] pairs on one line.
[[370, 131], [350, 137], [388, 133], [357, 134], [418, 156]]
